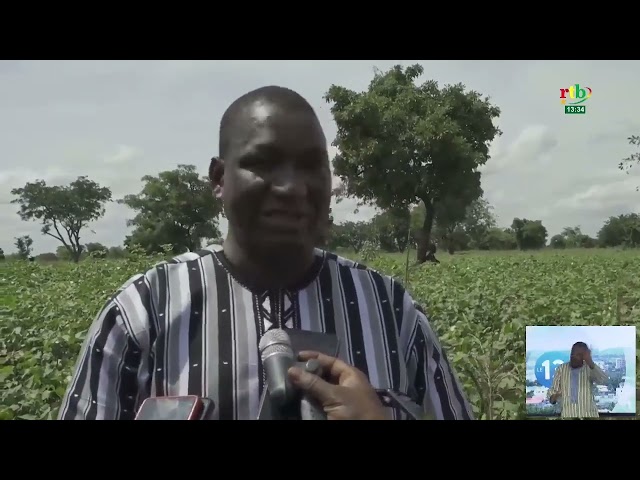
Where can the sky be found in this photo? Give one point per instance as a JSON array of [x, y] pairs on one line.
[[563, 337], [116, 121]]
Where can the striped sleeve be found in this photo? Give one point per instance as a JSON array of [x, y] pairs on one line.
[[556, 386], [434, 381], [596, 374], [108, 381]]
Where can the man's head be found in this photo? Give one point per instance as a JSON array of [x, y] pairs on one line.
[[578, 351], [273, 173]]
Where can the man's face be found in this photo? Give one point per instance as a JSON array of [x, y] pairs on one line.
[[578, 354], [277, 183]]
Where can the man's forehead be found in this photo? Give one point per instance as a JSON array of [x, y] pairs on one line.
[[265, 130]]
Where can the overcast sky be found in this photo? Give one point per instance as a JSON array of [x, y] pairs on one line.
[[116, 121]]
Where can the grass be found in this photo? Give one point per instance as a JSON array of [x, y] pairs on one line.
[[479, 302]]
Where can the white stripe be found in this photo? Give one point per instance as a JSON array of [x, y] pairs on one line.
[[184, 305]]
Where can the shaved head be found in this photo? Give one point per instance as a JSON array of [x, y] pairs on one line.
[[257, 105]]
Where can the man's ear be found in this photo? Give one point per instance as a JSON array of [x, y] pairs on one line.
[[216, 175]]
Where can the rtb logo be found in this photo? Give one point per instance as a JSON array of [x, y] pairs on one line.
[[546, 365], [572, 97], [575, 95]]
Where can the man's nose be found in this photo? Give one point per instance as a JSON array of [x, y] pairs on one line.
[[289, 181]]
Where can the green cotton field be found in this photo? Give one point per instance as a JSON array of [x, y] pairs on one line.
[[479, 304]]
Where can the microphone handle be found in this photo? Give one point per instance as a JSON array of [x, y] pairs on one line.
[[309, 408]]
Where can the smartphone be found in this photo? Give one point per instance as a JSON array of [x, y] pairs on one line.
[[171, 408]]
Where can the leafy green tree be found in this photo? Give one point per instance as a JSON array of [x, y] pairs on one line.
[[498, 239], [530, 234], [2, 257], [558, 242], [351, 235], [628, 162], [177, 207], [96, 250], [63, 210], [391, 229], [23, 244], [479, 219], [623, 230], [401, 143]]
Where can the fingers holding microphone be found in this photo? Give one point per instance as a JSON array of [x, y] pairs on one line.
[[344, 393]]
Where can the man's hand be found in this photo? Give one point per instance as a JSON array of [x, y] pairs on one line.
[[346, 396], [586, 356]]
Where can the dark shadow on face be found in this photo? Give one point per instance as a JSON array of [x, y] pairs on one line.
[[277, 182], [577, 354]]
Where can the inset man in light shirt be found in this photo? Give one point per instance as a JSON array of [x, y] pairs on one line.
[[573, 384]]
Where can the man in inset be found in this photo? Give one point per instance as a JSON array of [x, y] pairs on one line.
[[192, 326], [573, 384]]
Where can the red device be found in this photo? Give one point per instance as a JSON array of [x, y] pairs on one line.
[[189, 407]]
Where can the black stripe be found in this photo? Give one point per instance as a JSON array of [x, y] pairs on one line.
[[225, 347], [128, 388], [96, 358], [259, 325], [455, 386], [419, 383], [398, 303], [326, 291], [143, 288], [195, 328], [438, 379], [456, 390], [353, 319], [161, 338], [389, 328]]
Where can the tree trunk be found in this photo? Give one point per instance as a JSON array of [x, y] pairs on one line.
[[425, 232]]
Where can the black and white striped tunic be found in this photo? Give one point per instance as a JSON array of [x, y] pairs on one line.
[[188, 327]]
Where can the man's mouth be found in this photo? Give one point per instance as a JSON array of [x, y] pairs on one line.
[[284, 219]]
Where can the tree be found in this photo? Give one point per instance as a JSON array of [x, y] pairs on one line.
[[1, 255], [530, 234], [177, 207], [391, 229], [351, 235], [623, 230], [558, 242], [499, 239], [478, 220], [401, 143], [23, 244], [96, 250], [574, 238], [63, 210], [627, 163], [450, 215]]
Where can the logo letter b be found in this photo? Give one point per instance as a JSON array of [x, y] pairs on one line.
[[580, 92]]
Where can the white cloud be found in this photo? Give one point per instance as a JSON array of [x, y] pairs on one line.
[[116, 121], [122, 154]]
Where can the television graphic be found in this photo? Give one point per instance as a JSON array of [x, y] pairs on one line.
[[613, 349]]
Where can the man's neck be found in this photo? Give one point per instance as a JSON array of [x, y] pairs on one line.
[[266, 275]]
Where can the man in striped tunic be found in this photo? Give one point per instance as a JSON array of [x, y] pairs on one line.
[[192, 326], [573, 384]]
